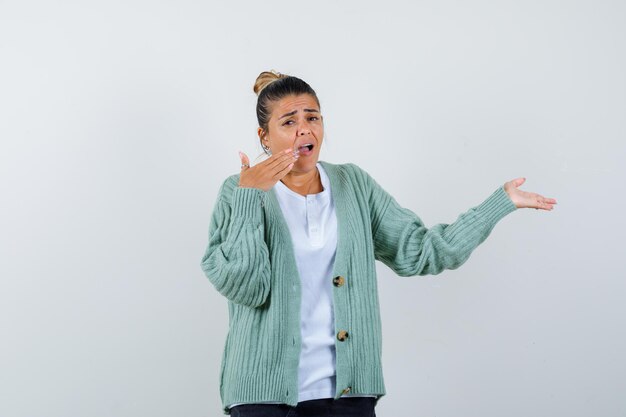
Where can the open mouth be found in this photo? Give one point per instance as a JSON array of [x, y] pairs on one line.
[[305, 150]]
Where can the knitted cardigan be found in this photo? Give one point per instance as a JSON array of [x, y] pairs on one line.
[[250, 261]]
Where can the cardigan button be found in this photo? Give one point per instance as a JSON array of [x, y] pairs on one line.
[[338, 281], [345, 391], [342, 335]]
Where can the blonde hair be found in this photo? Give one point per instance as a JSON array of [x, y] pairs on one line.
[[265, 78]]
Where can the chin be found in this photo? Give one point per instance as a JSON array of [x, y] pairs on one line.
[[309, 163]]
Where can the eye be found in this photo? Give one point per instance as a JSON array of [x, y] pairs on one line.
[[288, 121], [313, 118]]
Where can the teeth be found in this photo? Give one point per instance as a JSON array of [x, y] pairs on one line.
[[305, 147]]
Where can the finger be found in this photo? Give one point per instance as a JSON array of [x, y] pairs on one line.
[[284, 171], [548, 201], [544, 203], [280, 167], [544, 199], [273, 158], [283, 158], [519, 181], [245, 162], [280, 154]]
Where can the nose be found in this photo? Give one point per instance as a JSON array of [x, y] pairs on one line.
[[304, 131]]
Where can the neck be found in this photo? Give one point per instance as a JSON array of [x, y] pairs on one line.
[[304, 182]]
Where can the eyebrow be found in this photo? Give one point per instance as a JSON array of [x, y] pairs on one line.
[[296, 111]]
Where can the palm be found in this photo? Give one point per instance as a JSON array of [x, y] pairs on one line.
[[523, 199]]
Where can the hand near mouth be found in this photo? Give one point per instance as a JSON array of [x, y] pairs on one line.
[[267, 173]]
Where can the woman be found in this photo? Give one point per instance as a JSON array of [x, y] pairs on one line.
[[292, 245]]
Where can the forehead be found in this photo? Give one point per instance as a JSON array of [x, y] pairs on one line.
[[290, 103]]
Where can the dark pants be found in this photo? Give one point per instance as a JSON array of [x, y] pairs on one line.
[[325, 407]]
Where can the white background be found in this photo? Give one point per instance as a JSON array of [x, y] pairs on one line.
[[120, 119]]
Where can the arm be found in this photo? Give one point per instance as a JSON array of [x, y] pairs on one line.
[[402, 242], [236, 260]]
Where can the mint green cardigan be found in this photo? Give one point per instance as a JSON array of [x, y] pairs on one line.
[[250, 261]]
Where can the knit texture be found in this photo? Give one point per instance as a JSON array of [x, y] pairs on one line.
[[250, 260]]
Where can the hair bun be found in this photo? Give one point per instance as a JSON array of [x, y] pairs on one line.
[[266, 78]]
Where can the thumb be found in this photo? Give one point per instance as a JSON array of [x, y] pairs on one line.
[[244, 160], [517, 182]]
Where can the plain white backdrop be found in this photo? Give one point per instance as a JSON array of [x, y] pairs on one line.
[[120, 119]]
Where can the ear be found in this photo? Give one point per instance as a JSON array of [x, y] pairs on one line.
[[261, 133]]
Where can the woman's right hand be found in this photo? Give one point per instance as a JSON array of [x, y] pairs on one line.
[[267, 173]]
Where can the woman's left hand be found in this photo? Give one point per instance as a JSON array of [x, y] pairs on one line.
[[523, 199]]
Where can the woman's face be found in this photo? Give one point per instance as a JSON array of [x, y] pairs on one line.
[[295, 121]]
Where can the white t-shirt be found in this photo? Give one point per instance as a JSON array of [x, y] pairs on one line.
[[313, 226]]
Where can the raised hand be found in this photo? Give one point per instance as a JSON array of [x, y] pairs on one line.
[[267, 173], [525, 199]]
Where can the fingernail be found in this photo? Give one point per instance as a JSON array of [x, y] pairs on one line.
[[240, 154]]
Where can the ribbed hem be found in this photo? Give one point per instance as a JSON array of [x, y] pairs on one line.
[[494, 208], [254, 388], [247, 202]]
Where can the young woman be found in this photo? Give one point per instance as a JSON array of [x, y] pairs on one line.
[[292, 246]]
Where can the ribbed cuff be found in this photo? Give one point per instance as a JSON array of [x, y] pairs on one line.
[[496, 206], [247, 203]]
